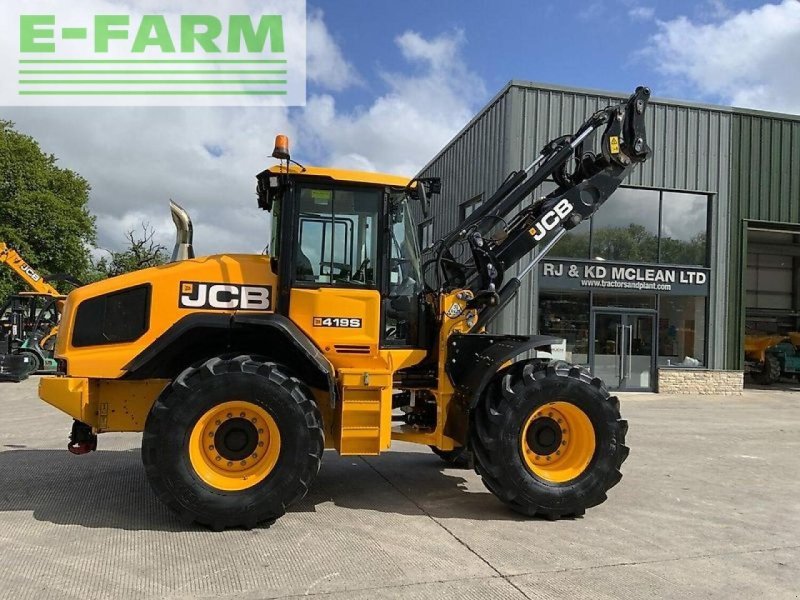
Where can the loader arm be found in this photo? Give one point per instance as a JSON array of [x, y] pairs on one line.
[[585, 180], [27, 273]]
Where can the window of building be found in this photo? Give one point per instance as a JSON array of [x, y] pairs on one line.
[[682, 330], [469, 207], [567, 316], [684, 226], [626, 227], [643, 226], [426, 234]]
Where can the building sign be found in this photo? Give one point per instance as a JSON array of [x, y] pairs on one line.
[[621, 277]]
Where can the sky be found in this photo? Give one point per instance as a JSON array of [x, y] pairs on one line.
[[390, 83]]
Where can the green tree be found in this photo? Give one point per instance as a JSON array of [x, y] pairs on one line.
[[631, 243], [574, 244], [43, 210], [684, 252], [142, 251]]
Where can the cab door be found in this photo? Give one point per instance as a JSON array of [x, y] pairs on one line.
[[335, 297]]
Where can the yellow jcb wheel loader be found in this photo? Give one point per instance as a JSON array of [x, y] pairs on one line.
[[240, 370]]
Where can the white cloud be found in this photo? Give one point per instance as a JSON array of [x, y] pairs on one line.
[[136, 159], [642, 13], [326, 65], [402, 129], [747, 58], [441, 52], [206, 159]]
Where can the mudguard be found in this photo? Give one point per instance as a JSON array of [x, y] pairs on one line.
[[474, 358], [201, 336], [298, 340]]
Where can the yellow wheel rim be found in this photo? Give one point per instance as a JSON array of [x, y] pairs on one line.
[[557, 442], [234, 445]]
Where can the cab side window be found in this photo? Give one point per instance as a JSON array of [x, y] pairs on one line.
[[401, 306]]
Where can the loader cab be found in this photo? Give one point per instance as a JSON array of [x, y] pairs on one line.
[[344, 247]]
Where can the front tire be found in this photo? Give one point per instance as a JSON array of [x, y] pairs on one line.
[[548, 439], [233, 442]]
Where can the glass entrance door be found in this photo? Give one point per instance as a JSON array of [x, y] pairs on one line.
[[623, 353], [607, 360]]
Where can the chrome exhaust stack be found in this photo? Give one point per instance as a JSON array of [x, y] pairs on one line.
[[183, 249]]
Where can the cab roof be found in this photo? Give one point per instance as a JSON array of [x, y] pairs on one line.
[[344, 175]]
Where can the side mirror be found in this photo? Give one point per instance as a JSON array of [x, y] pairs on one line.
[[423, 199], [434, 185], [426, 187]]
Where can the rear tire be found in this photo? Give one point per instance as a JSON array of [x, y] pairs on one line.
[[770, 371], [533, 412], [208, 463]]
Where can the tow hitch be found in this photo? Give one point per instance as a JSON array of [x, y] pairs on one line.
[[81, 440]]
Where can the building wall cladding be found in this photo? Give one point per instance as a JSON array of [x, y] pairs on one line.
[[473, 162], [691, 152], [765, 187]]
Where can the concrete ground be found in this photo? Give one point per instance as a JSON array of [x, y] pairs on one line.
[[709, 508]]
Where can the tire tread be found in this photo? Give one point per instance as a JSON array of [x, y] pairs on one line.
[[190, 381], [487, 436]]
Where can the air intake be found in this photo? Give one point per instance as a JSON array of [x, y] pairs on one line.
[[351, 349]]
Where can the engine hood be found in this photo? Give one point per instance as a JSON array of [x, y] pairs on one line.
[[98, 312]]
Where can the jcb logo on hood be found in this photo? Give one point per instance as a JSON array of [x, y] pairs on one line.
[[551, 218], [225, 296]]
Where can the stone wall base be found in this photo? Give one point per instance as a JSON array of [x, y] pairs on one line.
[[700, 381]]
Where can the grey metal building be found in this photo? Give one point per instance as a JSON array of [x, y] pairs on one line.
[[665, 262]]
